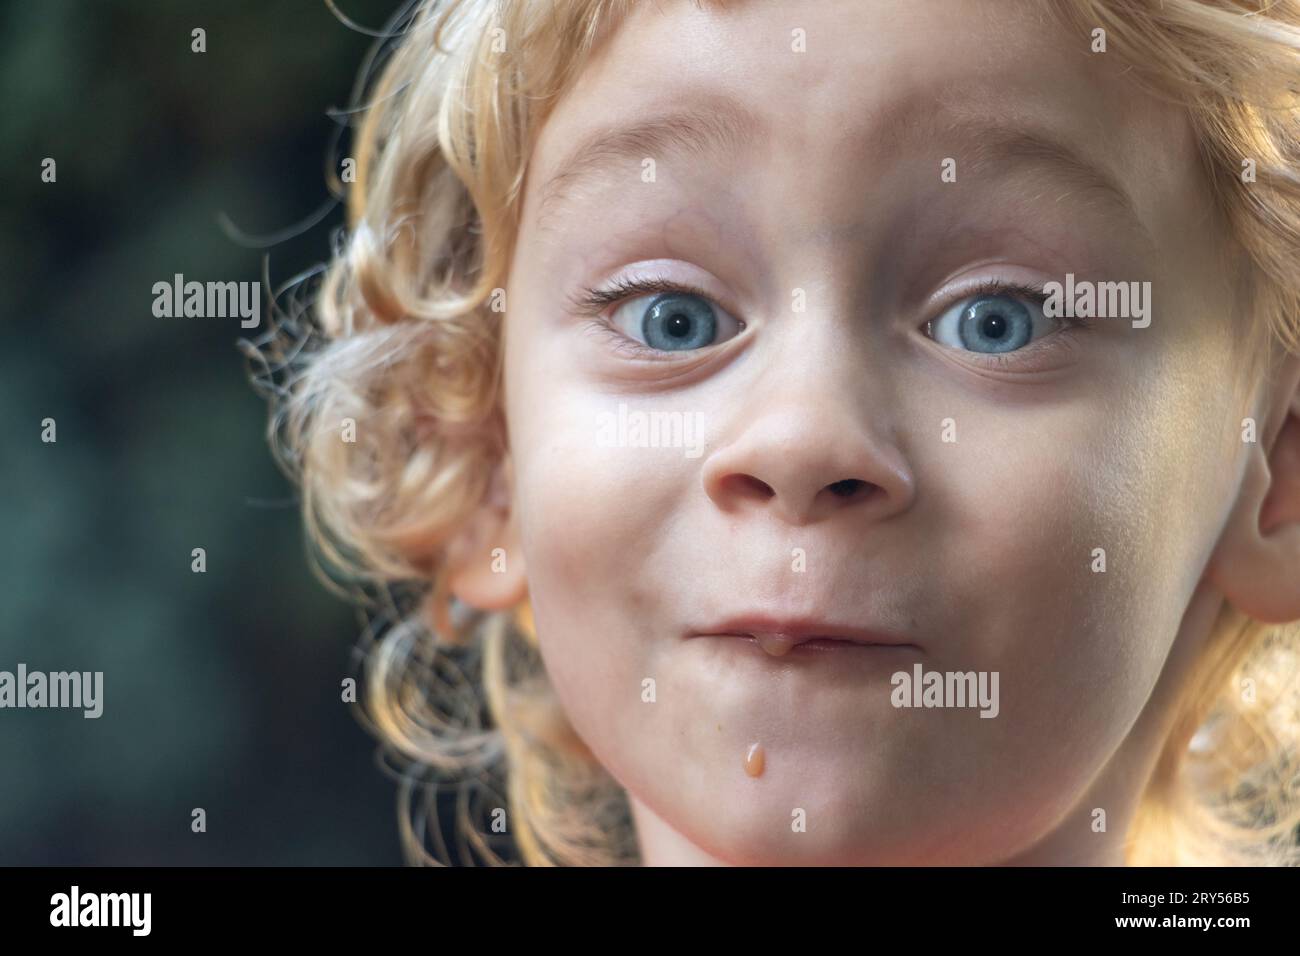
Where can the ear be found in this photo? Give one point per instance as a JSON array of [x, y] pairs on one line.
[[1257, 562], [484, 562]]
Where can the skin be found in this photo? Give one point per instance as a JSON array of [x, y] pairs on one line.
[[979, 552]]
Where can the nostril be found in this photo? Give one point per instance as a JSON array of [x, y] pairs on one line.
[[749, 486], [846, 488]]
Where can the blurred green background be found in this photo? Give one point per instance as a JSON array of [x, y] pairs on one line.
[[221, 690]]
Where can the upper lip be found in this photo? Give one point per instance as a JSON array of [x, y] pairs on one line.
[[799, 630]]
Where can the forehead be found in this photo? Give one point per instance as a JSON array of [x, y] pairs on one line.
[[990, 82]]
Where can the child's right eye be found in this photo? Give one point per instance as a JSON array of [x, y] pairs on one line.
[[653, 316], [674, 321]]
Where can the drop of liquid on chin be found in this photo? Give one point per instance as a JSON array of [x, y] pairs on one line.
[[778, 645], [754, 760]]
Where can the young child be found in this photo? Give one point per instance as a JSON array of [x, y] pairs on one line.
[[822, 433]]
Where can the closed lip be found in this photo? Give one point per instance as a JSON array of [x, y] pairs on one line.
[[799, 631]]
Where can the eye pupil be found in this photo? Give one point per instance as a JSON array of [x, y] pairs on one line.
[[679, 326], [994, 326]]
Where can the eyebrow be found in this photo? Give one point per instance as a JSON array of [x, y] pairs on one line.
[[718, 125], [997, 144], [722, 124]]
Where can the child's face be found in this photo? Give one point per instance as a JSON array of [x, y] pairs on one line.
[[976, 476]]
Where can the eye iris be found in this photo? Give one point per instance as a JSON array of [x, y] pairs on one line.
[[995, 323], [677, 322]]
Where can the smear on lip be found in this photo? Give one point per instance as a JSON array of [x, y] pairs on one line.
[[778, 645], [754, 760]]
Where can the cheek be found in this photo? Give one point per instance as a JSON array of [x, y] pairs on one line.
[[591, 520], [1066, 544]]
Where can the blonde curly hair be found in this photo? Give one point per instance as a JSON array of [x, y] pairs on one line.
[[400, 341]]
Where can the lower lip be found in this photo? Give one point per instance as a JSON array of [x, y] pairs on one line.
[[816, 647]]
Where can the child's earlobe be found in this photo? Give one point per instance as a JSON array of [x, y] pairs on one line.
[[484, 563], [1256, 563], [1282, 504]]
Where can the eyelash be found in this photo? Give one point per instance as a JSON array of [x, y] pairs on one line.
[[592, 303], [1070, 325]]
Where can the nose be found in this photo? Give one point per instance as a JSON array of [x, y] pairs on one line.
[[806, 459]]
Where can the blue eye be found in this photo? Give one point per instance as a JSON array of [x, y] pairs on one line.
[[992, 323], [673, 321], [679, 322]]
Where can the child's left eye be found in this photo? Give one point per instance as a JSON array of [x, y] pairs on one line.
[[674, 321], [990, 323]]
